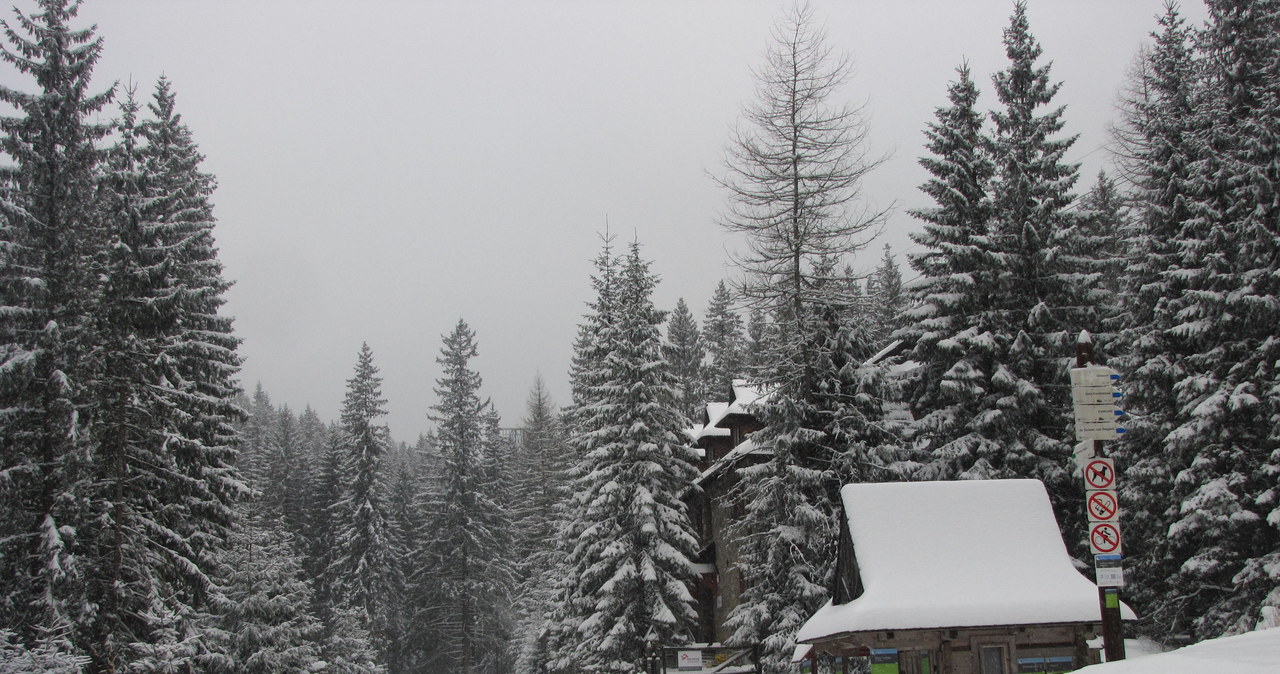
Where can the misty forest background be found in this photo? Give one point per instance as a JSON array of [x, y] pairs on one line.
[[155, 517]]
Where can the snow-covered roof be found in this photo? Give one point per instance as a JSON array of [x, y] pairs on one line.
[[1252, 653], [715, 412], [956, 554], [744, 396], [744, 448]]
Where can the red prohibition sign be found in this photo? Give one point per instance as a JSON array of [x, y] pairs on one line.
[[1102, 506], [1100, 474], [1104, 537]]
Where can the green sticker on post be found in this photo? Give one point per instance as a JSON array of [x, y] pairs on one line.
[[1113, 599]]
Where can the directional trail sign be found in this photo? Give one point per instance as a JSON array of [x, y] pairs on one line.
[[1094, 400], [1104, 538], [1100, 474]]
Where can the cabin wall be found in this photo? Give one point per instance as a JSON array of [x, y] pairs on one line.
[[958, 651]]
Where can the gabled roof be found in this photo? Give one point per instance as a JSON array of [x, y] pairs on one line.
[[714, 412], [956, 554], [743, 398]]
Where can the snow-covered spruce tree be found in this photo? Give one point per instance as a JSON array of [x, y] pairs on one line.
[[261, 617], [257, 436], [630, 542], [684, 351], [497, 625], [586, 370], [312, 442], [834, 434], [345, 642], [540, 476], [467, 550], [583, 419], [722, 333], [758, 347], [1157, 144], [1040, 297], [200, 346], [366, 572], [885, 298], [1225, 438], [162, 485], [542, 486], [131, 419], [15, 658], [52, 239], [1105, 214], [793, 173], [406, 522], [327, 520], [949, 323]]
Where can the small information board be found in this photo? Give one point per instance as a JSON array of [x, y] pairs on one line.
[[1109, 570], [884, 661]]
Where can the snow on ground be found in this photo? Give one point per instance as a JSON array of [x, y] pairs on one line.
[[1252, 653]]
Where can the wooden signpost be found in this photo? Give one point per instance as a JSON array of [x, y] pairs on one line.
[[1098, 418]]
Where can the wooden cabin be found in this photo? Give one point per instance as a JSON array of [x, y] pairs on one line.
[[966, 577]]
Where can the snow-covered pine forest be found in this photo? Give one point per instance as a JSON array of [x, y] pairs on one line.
[[155, 516]]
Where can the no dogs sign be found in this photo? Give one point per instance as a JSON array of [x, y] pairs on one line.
[[1100, 474]]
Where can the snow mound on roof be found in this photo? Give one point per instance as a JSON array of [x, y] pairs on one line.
[[957, 554], [1252, 653]]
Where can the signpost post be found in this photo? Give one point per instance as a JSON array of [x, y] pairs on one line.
[[1097, 418]]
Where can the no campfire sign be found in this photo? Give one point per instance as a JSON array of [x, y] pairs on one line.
[[1103, 506]]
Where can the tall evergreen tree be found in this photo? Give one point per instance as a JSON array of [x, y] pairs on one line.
[[835, 434], [887, 299], [263, 621], [590, 351], [542, 484], [365, 568], [949, 325], [1224, 438], [467, 551], [52, 236], [761, 339], [1158, 140], [629, 538], [722, 332], [685, 351], [1044, 295]]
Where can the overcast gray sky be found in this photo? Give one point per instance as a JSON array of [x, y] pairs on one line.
[[387, 168]]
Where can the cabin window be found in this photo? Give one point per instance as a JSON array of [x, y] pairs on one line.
[[991, 660]]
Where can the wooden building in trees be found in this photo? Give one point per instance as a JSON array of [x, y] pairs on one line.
[[967, 577], [724, 441]]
